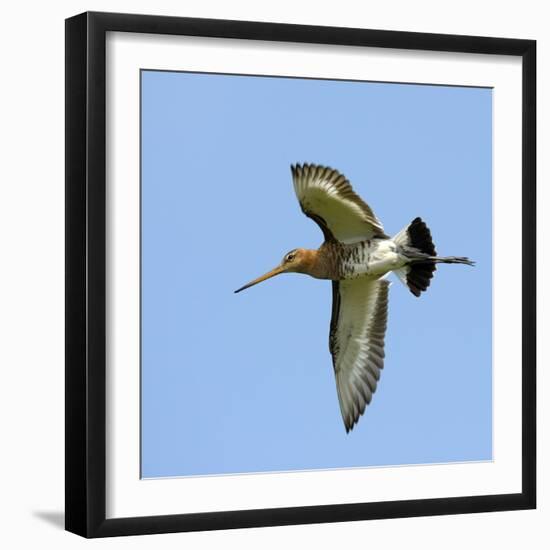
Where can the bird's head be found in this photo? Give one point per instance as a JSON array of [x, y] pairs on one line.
[[299, 260]]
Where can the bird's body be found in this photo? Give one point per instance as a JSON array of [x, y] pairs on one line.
[[369, 258], [356, 255]]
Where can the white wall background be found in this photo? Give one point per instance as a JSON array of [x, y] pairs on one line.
[[32, 271]]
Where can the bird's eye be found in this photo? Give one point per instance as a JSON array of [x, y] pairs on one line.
[[290, 257]]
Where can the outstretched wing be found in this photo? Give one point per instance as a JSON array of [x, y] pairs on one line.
[[328, 198], [357, 329]]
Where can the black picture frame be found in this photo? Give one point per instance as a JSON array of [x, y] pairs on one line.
[[86, 274]]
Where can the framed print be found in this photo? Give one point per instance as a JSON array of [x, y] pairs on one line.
[[300, 280]]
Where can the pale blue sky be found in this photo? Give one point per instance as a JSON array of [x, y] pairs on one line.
[[244, 383]]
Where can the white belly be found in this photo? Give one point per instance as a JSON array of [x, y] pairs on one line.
[[376, 259]]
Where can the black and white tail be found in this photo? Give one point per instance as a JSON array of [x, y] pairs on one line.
[[415, 242]]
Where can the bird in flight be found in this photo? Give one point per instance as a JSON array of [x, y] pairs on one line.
[[356, 256]]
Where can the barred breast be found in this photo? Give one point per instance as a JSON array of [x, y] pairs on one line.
[[373, 257]]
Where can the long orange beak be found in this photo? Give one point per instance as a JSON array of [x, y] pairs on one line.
[[279, 269]]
